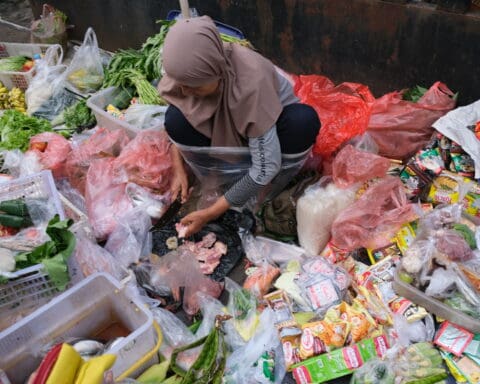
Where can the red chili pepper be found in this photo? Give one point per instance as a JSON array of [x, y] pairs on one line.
[[47, 364]]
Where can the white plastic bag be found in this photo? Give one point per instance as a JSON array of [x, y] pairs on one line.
[[145, 116], [455, 125], [260, 361], [85, 72], [317, 209]]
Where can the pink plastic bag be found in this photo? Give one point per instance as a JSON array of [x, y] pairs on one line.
[[344, 110], [179, 269], [400, 128], [146, 161], [104, 198], [103, 143], [352, 166], [52, 151], [374, 218]]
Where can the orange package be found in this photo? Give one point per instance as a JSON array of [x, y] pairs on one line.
[[260, 279]]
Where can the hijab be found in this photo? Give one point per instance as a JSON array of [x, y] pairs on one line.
[[246, 103]]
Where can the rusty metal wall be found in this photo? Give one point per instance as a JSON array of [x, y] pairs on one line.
[[385, 45]]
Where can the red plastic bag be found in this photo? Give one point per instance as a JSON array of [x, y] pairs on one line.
[[374, 218], [400, 128], [352, 166], [103, 143], [104, 198], [52, 151], [146, 161], [344, 110]]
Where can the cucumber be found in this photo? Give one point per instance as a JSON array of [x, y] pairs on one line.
[[16, 207], [14, 221], [466, 233], [430, 379]]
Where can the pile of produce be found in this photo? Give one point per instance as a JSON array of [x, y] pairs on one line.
[[16, 64], [13, 99]]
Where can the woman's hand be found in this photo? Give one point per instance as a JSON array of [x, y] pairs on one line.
[[179, 185], [195, 221]]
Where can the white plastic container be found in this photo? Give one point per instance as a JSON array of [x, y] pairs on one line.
[[95, 304], [220, 167], [99, 101], [22, 79]]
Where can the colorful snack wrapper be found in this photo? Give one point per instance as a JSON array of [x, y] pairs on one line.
[[453, 338], [280, 304]]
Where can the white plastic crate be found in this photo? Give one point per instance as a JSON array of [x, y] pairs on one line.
[[93, 305], [22, 79], [99, 101], [31, 287]]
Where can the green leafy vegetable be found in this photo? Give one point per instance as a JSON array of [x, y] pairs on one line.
[[79, 116], [12, 63], [53, 254], [414, 94], [16, 129]]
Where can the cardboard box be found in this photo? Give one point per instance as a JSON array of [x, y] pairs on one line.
[[340, 362]]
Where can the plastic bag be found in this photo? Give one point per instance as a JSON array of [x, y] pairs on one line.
[[374, 371], [103, 143], [131, 239], [260, 361], [352, 166], [317, 209], [52, 150], [322, 284], [260, 278], [21, 164], [457, 124], [242, 305], [104, 199], [374, 218], [92, 258], [50, 28], [400, 128], [146, 161], [452, 244], [85, 72], [180, 269], [145, 116], [153, 204], [344, 110]]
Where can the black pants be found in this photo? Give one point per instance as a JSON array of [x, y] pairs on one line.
[[297, 128]]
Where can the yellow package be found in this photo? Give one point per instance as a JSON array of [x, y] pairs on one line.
[[321, 337]]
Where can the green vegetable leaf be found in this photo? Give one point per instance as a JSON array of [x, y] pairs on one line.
[[54, 253], [16, 129]]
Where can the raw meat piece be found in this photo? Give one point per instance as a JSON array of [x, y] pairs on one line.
[[208, 251]]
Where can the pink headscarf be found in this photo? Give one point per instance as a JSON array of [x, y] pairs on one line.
[[247, 102]]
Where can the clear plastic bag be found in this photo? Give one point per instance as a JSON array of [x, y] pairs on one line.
[[92, 258], [179, 269], [131, 239], [145, 116], [52, 150], [374, 218], [260, 361], [322, 284], [21, 164], [153, 204], [260, 278], [85, 72], [242, 305], [352, 166], [104, 199], [103, 143], [146, 161], [50, 28], [317, 210], [48, 81], [375, 371]]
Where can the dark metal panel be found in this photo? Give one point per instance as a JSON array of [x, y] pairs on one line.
[[385, 45]]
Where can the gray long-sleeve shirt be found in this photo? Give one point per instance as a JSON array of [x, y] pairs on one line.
[[266, 155]]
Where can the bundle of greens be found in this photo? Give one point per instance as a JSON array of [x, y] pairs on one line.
[[13, 63], [53, 254], [16, 129], [79, 116]]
